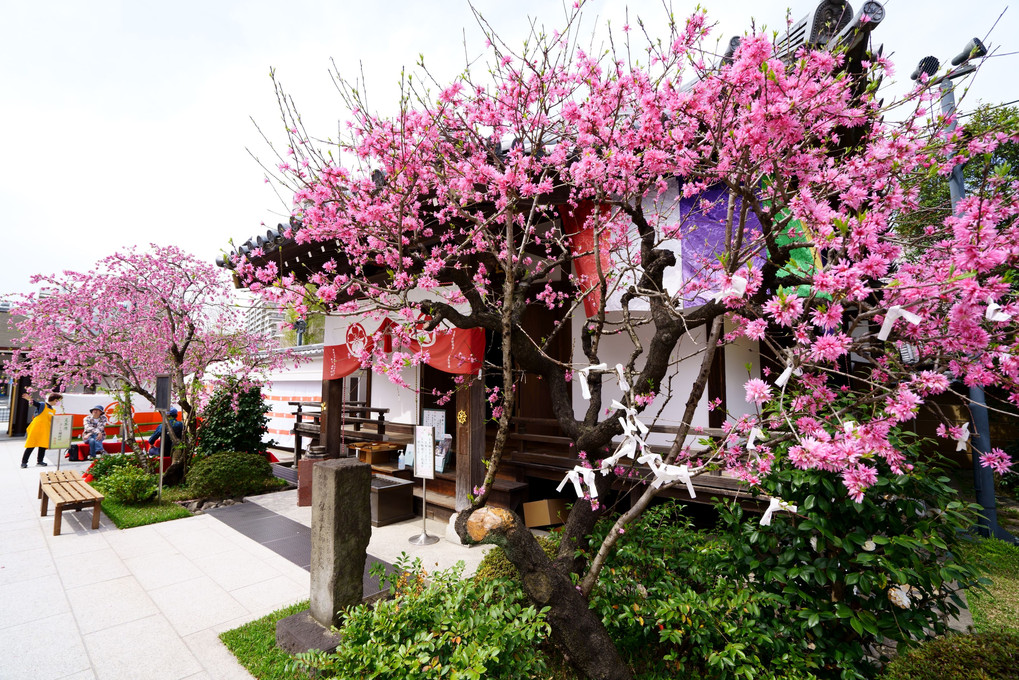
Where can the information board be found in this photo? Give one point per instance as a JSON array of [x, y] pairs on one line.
[[435, 418], [424, 452], [60, 432]]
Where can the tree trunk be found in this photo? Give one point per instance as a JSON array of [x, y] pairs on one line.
[[576, 629], [174, 474]]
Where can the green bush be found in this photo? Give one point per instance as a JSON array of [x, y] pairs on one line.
[[673, 610], [233, 420], [437, 627], [839, 570], [228, 474], [982, 656], [102, 466], [128, 484]]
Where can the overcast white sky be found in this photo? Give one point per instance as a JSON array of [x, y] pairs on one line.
[[128, 122]]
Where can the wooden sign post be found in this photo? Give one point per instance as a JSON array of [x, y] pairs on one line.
[[60, 435]]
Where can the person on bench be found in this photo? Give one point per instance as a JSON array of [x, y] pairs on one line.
[[94, 431], [176, 427]]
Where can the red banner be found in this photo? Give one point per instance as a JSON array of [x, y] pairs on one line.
[[581, 240], [458, 350]]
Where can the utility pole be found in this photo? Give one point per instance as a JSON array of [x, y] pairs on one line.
[[983, 477]]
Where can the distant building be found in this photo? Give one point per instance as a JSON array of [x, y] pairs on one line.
[[265, 321], [9, 342]]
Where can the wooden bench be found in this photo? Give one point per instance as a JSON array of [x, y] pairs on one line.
[[67, 494], [57, 476]]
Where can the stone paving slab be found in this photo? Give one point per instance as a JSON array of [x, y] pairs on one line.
[[150, 602], [108, 604]]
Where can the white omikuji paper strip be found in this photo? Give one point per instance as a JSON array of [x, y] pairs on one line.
[[894, 313], [789, 372], [963, 437], [994, 312], [737, 287], [585, 389], [623, 385], [773, 506], [755, 434], [577, 475]]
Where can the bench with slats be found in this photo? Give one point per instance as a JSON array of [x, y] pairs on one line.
[[57, 476], [68, 492]]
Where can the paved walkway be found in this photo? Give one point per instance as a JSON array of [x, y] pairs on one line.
[[147, 602]]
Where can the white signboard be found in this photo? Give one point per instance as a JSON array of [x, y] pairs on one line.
[[424, 452], [60, 432], [436, 418]]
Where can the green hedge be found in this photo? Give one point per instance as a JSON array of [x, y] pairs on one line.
[[229, 474]]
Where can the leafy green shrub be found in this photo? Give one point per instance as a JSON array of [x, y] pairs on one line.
[[128, 484], [982, 656], [233, 420], [102, 466], [673, 611], [442, 627], [846, 576], [228, 474]]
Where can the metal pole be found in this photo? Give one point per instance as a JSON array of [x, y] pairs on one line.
[[983, 477], [162, 449], [424, 538]]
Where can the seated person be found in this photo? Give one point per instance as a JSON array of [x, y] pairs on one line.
[[94, 431], [177, 428]]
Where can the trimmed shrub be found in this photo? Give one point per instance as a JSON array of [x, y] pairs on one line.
[[128, 484], [233, 420], [982, 656], [228, 474]]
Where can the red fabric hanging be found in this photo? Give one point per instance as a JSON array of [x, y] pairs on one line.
[[581, 240], [460, 351]]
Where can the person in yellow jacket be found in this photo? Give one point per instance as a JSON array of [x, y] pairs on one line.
[[38, 433]]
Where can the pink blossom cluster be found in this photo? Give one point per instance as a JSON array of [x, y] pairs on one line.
[[456, 207]]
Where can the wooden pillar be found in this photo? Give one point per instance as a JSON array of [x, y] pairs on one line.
[[470, 440], [716, 388], [332, 417]]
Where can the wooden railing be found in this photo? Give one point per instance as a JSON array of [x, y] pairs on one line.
[[308, 423]]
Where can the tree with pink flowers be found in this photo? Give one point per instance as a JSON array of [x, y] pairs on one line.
[[136, 315], [580, 181]]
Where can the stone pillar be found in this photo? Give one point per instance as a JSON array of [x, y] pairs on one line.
[[340, 529]]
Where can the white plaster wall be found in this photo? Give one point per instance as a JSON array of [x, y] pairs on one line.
[[301, 383], [401, 401], [664, 410], [737, 355]]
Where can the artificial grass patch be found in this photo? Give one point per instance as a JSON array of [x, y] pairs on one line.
[[126, 516], [254, 645], [995, 609]]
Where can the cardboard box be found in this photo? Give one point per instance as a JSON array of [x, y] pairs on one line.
[[548, 512], [375, 453]]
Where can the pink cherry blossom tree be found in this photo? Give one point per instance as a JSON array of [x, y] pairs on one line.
[[570, 179], [136, 315]]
